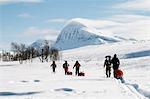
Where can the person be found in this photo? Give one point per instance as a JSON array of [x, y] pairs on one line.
[[77, 65], [65, 66], [115, 61], [107, 63], [53, 65]]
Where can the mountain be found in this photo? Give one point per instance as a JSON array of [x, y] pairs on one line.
[[76, 34], [39, 44]]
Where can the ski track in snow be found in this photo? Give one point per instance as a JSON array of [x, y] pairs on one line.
[[102, 86], [36, 80], [131, 88]]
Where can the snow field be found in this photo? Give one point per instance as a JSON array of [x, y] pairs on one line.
[[36, 80]]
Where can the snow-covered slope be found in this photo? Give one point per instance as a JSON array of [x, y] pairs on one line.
[[36, 81], [77, 34], [134, 58]]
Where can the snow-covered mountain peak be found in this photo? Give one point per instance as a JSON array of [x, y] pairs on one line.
[[76, 23], [40, 43], [77, 34]]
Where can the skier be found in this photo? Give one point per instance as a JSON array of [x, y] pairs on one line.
[[77, 65], [115, 61], [65, 66], [107, 63], [53, 65]]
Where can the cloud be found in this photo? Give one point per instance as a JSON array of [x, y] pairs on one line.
[[59, 20], [50, 34], [126, 26], [132, 26], [25, 15], [96, 23], [128, 18], [4, 46], [19, 1], [135, 5]]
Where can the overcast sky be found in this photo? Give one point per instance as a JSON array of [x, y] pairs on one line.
[[25, 21]]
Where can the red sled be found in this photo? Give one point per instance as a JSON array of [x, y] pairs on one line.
[[119, 73], [69, 73], [81, 74]]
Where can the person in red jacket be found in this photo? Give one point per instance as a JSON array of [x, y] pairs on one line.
[[77, 65]]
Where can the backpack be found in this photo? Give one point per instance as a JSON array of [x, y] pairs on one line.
[[64, 66], [108, 63], [77, 65]]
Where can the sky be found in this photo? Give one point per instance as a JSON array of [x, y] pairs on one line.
[[25, 21]]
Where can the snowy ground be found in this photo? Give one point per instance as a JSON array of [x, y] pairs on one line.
[[36, 80]]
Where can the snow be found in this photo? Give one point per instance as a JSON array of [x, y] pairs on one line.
[[125, 26], [36, 80], [77, 34], [40, 43], [80, 32]]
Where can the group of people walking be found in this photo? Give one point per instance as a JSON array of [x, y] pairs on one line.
[[111, 63], [108, 64], [65, 67]]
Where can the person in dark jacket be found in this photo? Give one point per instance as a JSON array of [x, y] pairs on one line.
[[107, 63], [53, 65], [77, 65], [115, 61], [65, 66]]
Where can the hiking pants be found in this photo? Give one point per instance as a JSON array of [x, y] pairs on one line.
[[54, 69], [66, 70], [108, 71], [77, 71]]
